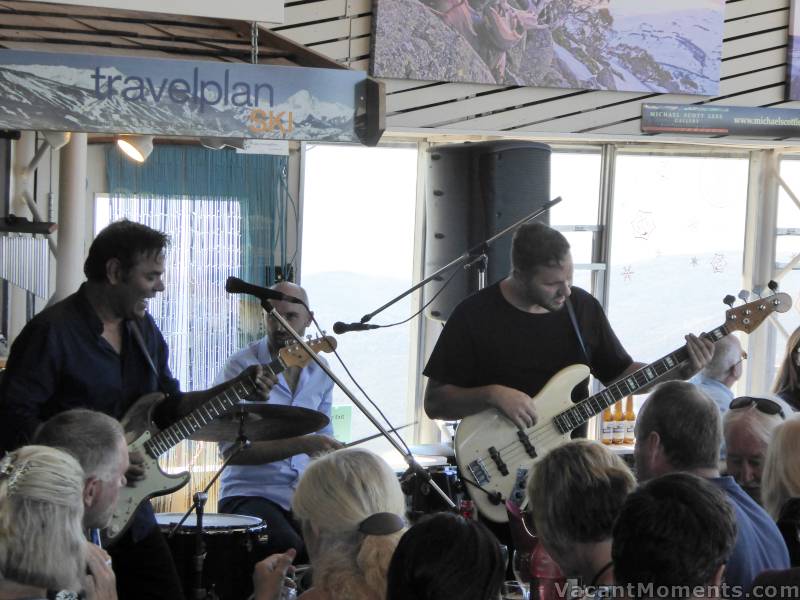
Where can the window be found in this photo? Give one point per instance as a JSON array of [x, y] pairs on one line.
[[357, 251], [787, 246], [676, 247]]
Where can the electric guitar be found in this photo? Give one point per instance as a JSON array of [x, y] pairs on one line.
[[151, 443], [495, 456]]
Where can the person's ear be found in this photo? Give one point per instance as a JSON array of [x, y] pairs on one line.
[[310, 318], [114, 271], [91, 490]]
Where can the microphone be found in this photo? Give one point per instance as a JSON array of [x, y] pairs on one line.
[[340, 328], [234, 285]]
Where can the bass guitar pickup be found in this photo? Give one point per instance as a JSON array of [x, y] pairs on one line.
[[501, 466]]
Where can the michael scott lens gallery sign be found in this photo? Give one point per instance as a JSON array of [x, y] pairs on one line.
[[78, 92]]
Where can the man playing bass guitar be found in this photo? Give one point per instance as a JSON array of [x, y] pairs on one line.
[[501, 345]]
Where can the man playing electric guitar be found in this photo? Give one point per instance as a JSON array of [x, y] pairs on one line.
[[100, 349], [501, 345]]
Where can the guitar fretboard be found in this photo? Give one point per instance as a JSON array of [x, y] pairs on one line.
[[212, 409], [584, 410]]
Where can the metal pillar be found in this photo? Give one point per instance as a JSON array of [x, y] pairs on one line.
[[72, 203], [759, 261]]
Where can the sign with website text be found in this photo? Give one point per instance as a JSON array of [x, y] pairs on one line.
[[112, 94], [269, 11], [721, 120]]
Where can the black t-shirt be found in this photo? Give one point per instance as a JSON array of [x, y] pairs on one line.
[[488, 341]]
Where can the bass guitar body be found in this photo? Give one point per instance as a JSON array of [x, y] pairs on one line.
[[497, 456]]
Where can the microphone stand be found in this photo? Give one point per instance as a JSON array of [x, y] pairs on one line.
[[199, 499], [413, 465], [477, 252]]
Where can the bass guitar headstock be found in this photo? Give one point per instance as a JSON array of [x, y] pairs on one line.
[[750, 315]]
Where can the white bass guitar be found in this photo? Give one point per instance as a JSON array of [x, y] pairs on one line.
[[494, 456]]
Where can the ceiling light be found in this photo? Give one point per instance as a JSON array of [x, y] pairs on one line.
[[56, 139], [137, 147]]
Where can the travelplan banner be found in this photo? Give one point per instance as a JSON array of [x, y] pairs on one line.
[[87, 93], [721, 120]]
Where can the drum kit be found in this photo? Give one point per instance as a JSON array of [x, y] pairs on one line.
[[230, 543]]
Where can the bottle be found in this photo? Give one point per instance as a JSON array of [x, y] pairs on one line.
[[546, 577], [467, 510], [630, 421], [619, 423], [607, 427]]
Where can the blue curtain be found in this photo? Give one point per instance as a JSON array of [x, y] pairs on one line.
[[256, 181]]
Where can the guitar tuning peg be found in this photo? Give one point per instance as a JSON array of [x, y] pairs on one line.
[[729, 300], [773, 285], [744, 295]]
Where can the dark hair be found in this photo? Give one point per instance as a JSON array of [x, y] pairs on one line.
[[688, 423], [537, 245], [446, 556], [126, 241], [675, 530]]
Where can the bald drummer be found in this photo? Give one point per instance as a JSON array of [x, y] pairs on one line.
[[261, 480]]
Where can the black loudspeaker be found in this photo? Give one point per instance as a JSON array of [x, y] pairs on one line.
[[474, 191]]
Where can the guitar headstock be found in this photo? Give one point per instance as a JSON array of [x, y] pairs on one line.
[[749, 316], [294, 355]]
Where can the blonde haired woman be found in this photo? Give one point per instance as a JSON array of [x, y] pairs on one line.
[[780, 483], [787, 383], [351, 508], [42, 547]]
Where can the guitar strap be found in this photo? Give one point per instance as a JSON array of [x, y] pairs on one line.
[[577, 329], [133, 329]]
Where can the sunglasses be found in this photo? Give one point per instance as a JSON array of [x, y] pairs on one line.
[[765, 405]]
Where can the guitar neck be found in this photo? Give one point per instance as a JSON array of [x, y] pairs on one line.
[[584, 410], [217, 406]]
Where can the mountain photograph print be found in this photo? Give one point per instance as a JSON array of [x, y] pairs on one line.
[[622, 45], [794, 50]]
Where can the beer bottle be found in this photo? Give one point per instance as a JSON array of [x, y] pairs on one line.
[[630, 421], [607, 427], [619, 423]]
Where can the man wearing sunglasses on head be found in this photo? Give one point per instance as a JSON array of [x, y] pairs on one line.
[[748, 427]]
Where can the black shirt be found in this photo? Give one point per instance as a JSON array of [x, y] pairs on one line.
[[61, 361], [488, 341]]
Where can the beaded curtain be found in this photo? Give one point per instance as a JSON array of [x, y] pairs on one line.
[[225, 214]]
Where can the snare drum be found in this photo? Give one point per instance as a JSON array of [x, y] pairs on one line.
[[230, 543]]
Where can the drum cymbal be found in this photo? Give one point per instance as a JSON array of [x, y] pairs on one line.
[[263, 422], [445, 450]]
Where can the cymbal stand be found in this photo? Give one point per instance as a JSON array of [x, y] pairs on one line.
[[413, 465], [199, 500]]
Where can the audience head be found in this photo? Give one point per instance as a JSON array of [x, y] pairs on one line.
[[446, 556], [788, 378], [126, 242], [575, 493], [41, 508], [726, 364], [748, 427], [98, 443], [678, 429], [781, 475], [350, 507], [675, 530]]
